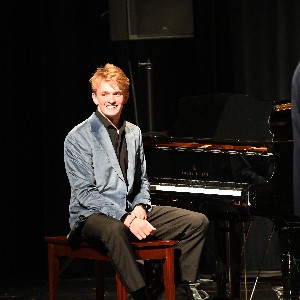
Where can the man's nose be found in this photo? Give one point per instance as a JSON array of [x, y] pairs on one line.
[[111, 98]]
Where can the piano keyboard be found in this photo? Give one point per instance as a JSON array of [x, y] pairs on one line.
[[222, 191]]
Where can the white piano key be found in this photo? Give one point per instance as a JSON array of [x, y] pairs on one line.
[[197, 190]]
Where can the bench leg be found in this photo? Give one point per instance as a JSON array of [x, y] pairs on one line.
[[53, 266], [121, 290], [100, 279], [168, 271]]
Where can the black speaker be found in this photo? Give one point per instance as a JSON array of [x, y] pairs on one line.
[[150, 19]]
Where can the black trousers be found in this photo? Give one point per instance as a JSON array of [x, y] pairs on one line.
[[187, 227]]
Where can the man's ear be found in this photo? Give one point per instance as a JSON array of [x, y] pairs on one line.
[[126, 97], [95, 99]]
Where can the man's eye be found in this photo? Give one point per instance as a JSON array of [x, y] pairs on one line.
[[118, 94]]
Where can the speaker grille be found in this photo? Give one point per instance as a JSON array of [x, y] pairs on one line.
[[151, 19]]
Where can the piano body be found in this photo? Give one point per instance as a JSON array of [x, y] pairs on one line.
[[229, 156]]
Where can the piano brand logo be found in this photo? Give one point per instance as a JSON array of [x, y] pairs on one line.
[[195, 172]]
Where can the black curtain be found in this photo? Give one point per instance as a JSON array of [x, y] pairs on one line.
[[50, 50]]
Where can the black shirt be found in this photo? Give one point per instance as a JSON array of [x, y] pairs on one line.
[[118, 140]]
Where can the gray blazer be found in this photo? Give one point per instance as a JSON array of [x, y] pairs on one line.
[[95, 176]]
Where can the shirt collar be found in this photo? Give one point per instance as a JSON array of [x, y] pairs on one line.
[[107, 123]]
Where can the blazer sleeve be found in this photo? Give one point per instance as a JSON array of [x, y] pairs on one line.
[[141, 191]]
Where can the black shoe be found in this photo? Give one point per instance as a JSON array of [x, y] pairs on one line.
[[180, 294], [141, 294], [189, 291]]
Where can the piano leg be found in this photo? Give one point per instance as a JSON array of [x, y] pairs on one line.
[[290, 260], [220, 260], [234, 259], [228, 234]]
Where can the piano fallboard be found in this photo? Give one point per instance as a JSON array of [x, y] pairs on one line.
[[208, 160]]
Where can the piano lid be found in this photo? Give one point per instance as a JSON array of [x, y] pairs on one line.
[[223, 116]]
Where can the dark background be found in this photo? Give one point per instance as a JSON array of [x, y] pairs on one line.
[[50, 49]]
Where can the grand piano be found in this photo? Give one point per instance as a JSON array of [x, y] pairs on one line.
[[230, 157]]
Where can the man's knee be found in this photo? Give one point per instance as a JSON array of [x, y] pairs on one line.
[[199, 220]]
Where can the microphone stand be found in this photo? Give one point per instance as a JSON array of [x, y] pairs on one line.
[[148, 67]]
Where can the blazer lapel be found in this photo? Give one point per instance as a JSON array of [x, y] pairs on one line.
[[130, 142], [102, 136]]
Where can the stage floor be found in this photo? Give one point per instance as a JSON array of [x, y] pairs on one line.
[[84, 289]]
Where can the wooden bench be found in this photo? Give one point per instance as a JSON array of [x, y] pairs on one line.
[[58, 246]]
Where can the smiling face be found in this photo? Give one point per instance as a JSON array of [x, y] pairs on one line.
[[110, 100]]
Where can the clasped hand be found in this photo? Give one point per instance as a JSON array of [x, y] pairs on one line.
[[138, 224]]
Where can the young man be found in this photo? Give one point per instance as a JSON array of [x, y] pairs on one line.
[[110, 201]]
